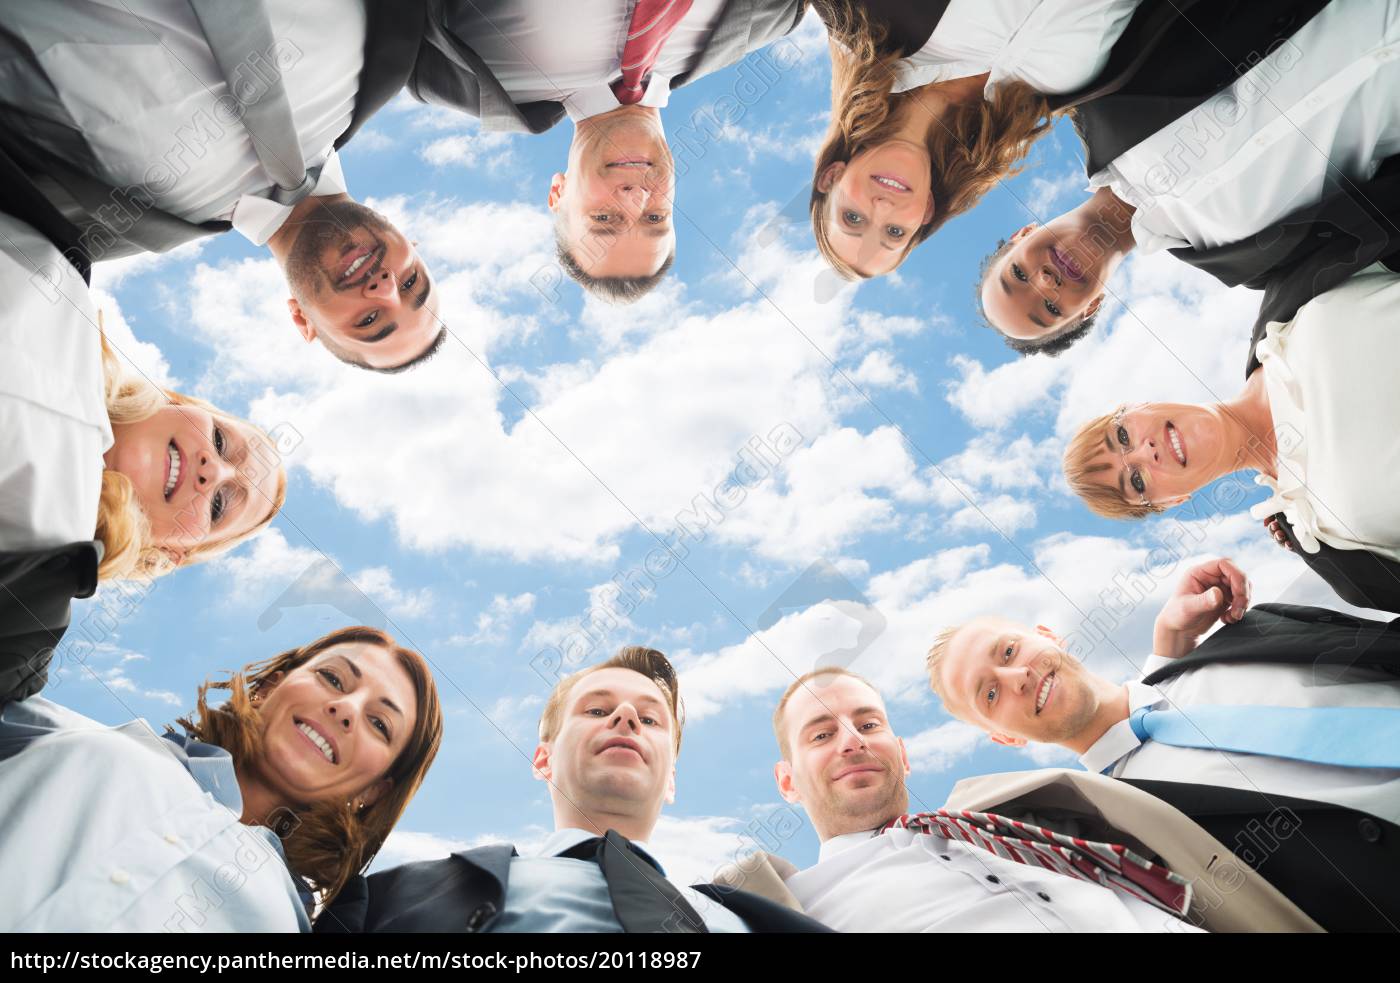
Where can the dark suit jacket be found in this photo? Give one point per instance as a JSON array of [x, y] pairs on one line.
[[449, 72], [907, 26], [393, 35], [466, 893], [1169, 59], [1340, 867], [36, 594], [1359, 577]]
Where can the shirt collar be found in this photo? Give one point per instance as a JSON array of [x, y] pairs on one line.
[[211, 767], [594, 100], [1119, 739], [846, 841], [569, 837], [259, 218]]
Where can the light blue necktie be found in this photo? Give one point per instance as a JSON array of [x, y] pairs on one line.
[[1351, 737]]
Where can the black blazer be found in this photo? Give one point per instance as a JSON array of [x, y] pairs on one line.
[[1359, 577], [1294, 634], [1340, 866], [466, 893], [36, 594], [1170, 58], [1336, 864]]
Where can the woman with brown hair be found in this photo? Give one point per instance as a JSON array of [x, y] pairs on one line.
[[265, 806], [933, 106]]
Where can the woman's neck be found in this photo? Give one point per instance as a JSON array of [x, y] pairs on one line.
[[1249, 428], [923, 107], [260, 803]]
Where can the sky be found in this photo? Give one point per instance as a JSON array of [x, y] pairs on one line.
[[752, 469]]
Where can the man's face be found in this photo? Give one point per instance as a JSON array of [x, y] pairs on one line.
[[613, 204], [1051, 278], [359, 286], [615, 748], [1017, 684], [846, 767]]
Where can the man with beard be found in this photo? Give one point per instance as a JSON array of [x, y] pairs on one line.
[[881, 870], [1286, 721], [148, 125], [523, 64]]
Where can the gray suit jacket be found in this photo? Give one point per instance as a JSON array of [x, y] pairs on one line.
[[449, 73]]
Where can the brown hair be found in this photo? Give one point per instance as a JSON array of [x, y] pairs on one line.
[[329, 842], [122, 526], [1081, 474], [934, 662], [798, 683], [649, 662], [973, 147]]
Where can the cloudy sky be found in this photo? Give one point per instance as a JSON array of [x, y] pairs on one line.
[[748, 470]]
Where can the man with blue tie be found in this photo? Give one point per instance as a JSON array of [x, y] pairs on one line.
[[1284, 708], [609, 736]]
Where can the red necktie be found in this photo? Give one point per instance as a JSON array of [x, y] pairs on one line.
[[652, 23], [1107, 864]]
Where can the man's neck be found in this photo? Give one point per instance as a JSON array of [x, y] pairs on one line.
[[1113, 709], [599, 821], [280, 243]]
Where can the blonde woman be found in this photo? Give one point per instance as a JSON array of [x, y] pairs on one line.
[[264, 806], [932, 106], [1315, 420]]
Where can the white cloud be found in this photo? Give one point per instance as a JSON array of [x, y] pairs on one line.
[[941, 747], [878, 370], [144, 358], [493, 624], [1047, 193]]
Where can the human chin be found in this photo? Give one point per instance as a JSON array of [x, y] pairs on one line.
[[297, 760]]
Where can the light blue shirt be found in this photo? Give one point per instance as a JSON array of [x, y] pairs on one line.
[[550, 893], [114, 829]]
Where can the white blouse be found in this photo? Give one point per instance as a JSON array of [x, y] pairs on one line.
[[53, 418], [1331, 377], [1056, 46]]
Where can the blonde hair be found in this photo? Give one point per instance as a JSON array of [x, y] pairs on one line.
[[934, 662], [649, 662], [973, 148], [1081, 474], [783, 747], [122, 526], [326, 843]]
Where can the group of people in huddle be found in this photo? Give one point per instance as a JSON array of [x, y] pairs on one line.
[[1247, 781]]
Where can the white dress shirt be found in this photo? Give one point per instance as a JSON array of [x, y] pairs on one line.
[[114, 829], [543, 50], [550, 893], [1319, 109], [53, 417], [136, 75], [1056, 46], [1331, 376], [904, 881], [1371, 790]]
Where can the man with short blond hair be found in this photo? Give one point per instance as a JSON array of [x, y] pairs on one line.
[[883, 870], [608, 739]]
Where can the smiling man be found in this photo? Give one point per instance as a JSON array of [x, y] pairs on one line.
[[609, 736], [610, 66], [1275, 723], [881, 870]]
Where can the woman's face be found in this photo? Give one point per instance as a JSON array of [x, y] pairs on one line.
[[201, 479], [876, 203], [332, 727], [1162, 452]]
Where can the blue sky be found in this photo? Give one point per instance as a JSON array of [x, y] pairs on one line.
[[482, 504]]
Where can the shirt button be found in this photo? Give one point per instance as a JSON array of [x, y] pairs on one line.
[[120, 876], [172, 838], [944, 856], [994, 878], [1370, 830], [1042, 895]]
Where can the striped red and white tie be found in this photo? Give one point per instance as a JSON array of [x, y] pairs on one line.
[[652, 23], [1107, 864]]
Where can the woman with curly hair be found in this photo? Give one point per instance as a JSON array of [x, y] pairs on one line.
[[263, 808], [933, 106]]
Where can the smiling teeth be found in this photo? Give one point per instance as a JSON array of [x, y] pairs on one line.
[[350, 271], [891, 183], [318, 740], [173, 454], [1044, 692], [1176, 443]]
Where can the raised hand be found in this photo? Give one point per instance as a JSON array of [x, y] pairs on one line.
[[1215, 590]]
